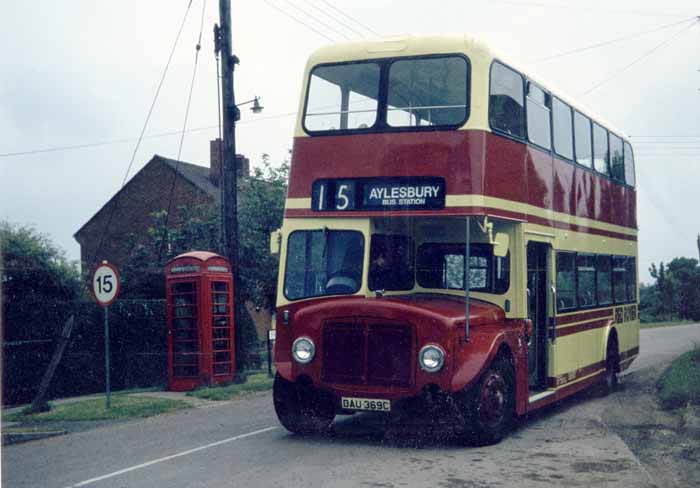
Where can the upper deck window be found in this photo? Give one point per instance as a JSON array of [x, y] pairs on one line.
[[629, 164], [427, 92], [563, 135], [582, 134], [343, 97], [388, 95], [601, 160], [506, 101], [617, 158], [538, 128]]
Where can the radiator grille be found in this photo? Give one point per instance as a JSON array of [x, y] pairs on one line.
[[367, 353]]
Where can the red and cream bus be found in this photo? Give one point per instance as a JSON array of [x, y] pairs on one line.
[[422, 163]]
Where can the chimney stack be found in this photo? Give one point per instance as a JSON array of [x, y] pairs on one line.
[[215, 163], [243, 166]]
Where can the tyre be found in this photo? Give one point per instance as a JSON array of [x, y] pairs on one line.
[[610, 381], [490, 404], [301, 409]]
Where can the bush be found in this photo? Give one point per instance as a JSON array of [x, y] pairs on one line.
[[679, 385]]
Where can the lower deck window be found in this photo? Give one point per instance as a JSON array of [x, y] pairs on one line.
[[566, 281], [391, 263], [442, 266], [323, 262], [589, 280]]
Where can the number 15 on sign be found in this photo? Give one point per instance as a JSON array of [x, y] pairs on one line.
[[105, 284]]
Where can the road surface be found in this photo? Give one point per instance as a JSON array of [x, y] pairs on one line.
[[241, 444]]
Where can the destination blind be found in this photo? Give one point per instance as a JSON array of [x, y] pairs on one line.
[[418, 193]]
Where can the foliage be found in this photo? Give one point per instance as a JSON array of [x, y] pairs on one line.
[[33, 269], [679, 385], [676, 293], [255, 382], [39, 286], [189, 228], [122, 407], [260, 211]]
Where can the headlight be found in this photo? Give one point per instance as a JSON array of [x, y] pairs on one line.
[[303, 350], [431, 358]]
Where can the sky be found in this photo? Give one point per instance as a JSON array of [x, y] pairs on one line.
[[85, 72]]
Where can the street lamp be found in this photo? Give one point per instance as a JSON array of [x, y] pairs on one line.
[[256, 108]]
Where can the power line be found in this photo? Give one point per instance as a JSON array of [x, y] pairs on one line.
[[286, 14], [348, 27], [197, 48], [143, 131], [126, 140], [666, 136], [341, 34], [646, 54], [593, 9], [347, 16], [611, 41]]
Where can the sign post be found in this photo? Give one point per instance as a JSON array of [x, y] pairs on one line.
[[105, 288]]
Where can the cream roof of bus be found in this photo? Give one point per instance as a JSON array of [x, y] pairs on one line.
[[476, 50]]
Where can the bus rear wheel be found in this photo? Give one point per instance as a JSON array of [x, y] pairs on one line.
[[491, 404], [300, 408], [610, 382]]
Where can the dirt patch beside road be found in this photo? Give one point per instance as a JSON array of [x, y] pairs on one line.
[[666, 442]]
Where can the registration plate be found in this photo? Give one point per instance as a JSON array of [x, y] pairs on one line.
[[371, 404]]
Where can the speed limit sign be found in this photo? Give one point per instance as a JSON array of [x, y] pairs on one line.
[[105, 284]]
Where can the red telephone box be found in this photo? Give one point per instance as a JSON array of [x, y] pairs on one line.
[[199, 293]]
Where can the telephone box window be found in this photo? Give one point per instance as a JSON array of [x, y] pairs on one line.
[[220, 327], [185, 342]]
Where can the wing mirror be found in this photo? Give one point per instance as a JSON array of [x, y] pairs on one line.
[[500, 244], [275, 242]]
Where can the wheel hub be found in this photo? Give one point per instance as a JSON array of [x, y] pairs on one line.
[[492, 401]]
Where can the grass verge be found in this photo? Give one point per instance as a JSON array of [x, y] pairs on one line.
[[256, 382], [679, 385], [668, 323], [123, 407]]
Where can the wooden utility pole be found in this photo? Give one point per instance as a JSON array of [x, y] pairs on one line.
[[39, 404], [698, 246], [230, 114]]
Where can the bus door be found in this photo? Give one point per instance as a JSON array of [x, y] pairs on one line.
[[537, 306]]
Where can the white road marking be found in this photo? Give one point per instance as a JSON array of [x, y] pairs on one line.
[[172, 456]]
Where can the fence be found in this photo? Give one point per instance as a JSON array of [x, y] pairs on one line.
[[137, 342], [138, 348]]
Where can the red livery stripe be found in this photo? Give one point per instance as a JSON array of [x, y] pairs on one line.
[[580, 317]]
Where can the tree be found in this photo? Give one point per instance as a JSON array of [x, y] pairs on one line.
[[260, 211], [34, 275], [684, 275], [189, 228], [676, 293]]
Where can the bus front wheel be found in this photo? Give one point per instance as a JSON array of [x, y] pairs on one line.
[[490, 404], [300, 408]]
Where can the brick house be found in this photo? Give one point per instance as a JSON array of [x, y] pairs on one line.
[[129, 212]]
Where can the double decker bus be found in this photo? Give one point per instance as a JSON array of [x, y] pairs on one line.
[[423, 163]]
